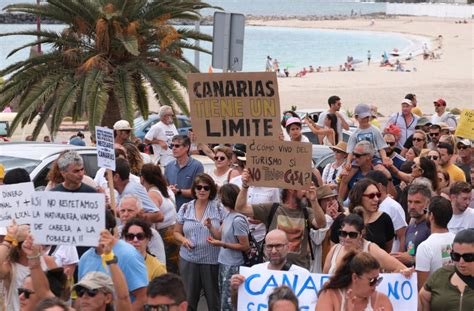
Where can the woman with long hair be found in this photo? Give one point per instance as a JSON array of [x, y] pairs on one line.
[[198, 262], [157, 187], [331, 123], [134, 157], [352, 238], [412, 153], [422, 167], [352, 287], [232, 242]]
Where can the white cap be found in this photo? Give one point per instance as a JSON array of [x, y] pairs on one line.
[[122, 125]]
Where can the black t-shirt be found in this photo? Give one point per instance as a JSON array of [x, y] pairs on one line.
[[380, 231], [82, 188], [335, 227]]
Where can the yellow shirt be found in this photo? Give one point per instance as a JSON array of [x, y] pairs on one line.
[[455, 173], [154, 267]]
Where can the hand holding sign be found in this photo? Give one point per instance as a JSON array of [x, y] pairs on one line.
[[30, 248]]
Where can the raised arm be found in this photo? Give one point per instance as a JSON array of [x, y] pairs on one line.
[[319, 220], [241, 205]]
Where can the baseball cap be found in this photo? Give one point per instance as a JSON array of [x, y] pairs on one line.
[[362, 111], [423, 121], [440, 101], [465, 142], [96, 280], [325, 191], [407, 101], [293, 120], [122, 125]]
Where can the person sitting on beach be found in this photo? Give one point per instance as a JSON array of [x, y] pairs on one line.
[[319, 69], [311, 68], [302, 73]]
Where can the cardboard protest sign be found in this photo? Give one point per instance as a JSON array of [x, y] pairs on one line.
[[279, 164], [15, 203], [105, 147], [465, 128], [61, 218], [234, 107], [259, 283]]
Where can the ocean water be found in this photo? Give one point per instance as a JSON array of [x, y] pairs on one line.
[[293, 47]]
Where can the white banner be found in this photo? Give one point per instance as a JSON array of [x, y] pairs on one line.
[[105, 147], [15, 203], [258, 285], [62, 218]]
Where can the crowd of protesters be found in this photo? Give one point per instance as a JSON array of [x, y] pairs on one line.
[[398, 198]]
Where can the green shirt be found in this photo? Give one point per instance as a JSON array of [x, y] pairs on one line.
[[444, 295]]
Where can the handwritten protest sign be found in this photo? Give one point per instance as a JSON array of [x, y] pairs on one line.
[[465, 127], [259, 283], [234, 107], [279, 164], [15, 203], [61, 218], [105, 147]]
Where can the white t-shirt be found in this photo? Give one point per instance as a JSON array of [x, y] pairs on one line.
[[264, 266], [165, 133], [434, 252], [317, 238], [461, 221], [219, 180], [446, 117], [168, 208], [65, 255], [396, 213]]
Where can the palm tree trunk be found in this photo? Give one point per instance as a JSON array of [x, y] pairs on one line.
[[112, 111]]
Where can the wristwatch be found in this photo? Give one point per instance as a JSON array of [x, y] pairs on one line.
[[179, 192], [112, 261]]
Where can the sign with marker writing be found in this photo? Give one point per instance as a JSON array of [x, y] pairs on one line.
[[279, 164], [465, 127], [234, 107], [258, 285], [61, 218], [105, 147], [15, 203]]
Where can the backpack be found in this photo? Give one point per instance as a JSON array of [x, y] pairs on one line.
[[254, 255], [306, 224]]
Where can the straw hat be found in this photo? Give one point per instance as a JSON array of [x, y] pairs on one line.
[[325, 191], [341, 146]]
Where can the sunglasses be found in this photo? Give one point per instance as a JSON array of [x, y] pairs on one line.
[[200, 187], [373, 195], [434, 158], [220, 158], [434, 134], [345, 234], [26, 292], [175, 146], [130, 236], [80, 291], [390, 143], [438, 105], [468, 257], [463, 147], [375, 281], [418, 139], [160, 307], [358, 155]]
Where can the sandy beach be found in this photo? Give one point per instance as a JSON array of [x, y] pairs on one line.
[[451, 77]]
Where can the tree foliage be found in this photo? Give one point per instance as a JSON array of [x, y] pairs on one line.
[[100, 64]]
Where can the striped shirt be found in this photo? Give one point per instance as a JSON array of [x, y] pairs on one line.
[[195, 231]]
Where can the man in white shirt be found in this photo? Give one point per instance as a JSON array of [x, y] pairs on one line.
[[160, 136], [441, 115], [463, 215], [392, 208], [434, 252], [335, 105]]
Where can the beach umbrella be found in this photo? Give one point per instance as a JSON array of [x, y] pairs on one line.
[[289, 65]]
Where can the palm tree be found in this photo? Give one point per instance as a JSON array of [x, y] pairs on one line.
[[101, 63]]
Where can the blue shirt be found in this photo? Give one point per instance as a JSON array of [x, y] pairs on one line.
[[195, 231], [357, 176], [235, 225], [130, 261], [140, 191], [183, 177]]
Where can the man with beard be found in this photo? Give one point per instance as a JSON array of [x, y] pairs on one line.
[[463, 215], [397, 159], [419, 197], [291, 216], [276, 251], [435, 134]]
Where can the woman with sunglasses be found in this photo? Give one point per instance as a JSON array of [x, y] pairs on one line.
[[138, 233], [222, 161], [422, 167], [352, 287], [157, 187], [351, 238], [332, 171], [365, 196], [434, 156], [452, 287], [198, 262]]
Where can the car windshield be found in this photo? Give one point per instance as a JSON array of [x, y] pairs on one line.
[[13, 162]]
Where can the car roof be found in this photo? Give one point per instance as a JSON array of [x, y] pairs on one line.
[[37, 150]]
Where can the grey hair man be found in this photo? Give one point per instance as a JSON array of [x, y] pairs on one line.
[[419, 196], [71, 168], [161, 134]]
